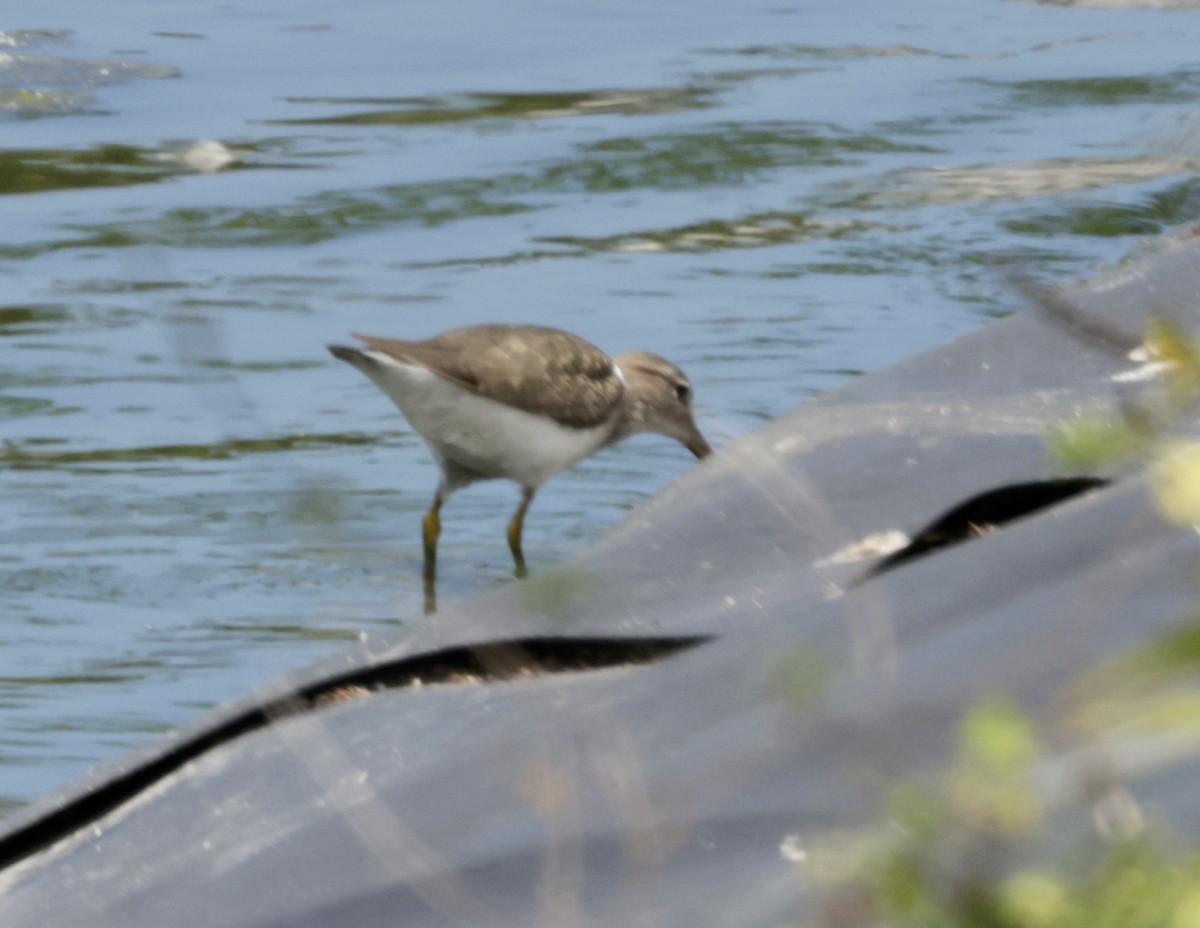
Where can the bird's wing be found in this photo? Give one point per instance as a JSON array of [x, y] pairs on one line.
[[540, 370]]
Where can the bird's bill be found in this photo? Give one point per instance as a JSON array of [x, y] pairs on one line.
[[698, 446]]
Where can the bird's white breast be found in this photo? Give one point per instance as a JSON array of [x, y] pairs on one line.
[[483, 435]]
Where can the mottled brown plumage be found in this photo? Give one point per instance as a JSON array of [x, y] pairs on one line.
[[544, 371]]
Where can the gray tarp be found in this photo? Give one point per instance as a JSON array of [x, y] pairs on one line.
[[659, 731]]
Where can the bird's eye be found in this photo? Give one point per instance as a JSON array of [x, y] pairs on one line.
[[683, 391]]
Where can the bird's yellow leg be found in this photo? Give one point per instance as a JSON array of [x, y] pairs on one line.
[[431, 528], [514, 531]]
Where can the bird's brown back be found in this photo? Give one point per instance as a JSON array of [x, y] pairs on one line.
[[541, 370]]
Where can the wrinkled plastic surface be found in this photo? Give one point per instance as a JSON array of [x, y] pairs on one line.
[[677, 791]]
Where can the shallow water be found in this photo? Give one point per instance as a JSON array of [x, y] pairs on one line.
[[777, 197]]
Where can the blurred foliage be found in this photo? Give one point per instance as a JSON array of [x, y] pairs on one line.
[[556, 590], [801, 677], [1175, 480], [1150, 692], [1167, 343], [1142, 427], [955, 850], [988, 784], [995, 838], [1094, 442], [1033, 822]]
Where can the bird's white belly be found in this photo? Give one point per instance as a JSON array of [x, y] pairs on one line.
[[482, 435]]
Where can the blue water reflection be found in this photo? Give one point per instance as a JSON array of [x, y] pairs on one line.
[[196, 497]]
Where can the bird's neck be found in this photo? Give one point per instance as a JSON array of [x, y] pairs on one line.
[[631, 417]]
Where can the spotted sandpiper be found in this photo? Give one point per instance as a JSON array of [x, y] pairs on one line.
[[521, 402]]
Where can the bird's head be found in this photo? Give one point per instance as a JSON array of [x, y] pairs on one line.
[[660, 400]]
